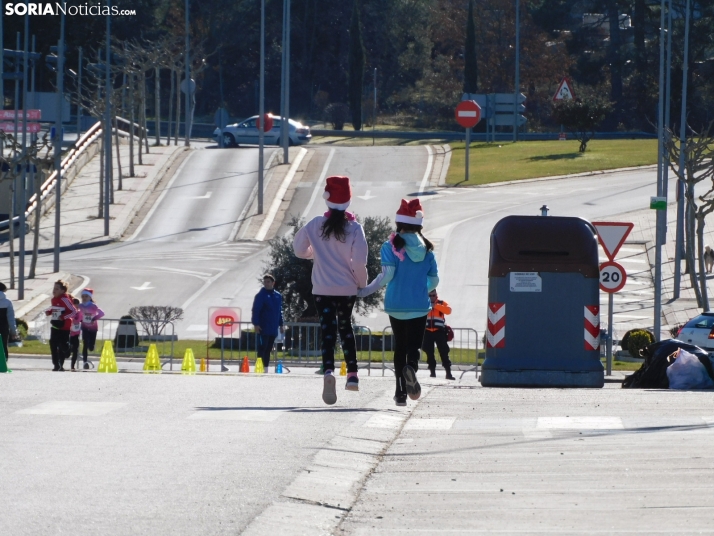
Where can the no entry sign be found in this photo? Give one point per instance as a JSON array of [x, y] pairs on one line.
[[468, 113]]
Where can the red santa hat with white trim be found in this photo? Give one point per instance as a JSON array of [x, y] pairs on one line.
[[338, 192], [410, 212]]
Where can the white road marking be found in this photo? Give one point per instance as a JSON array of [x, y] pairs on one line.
[[160, 199], [202, 289], [580, 423], [427, 173], [385, 420], [430, 424], [366, 196], [145, 286], [320, 182], [181, 271], [207, 195], [275, 206], [74, 408]]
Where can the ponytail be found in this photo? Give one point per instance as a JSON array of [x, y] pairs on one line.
[[399, 242]]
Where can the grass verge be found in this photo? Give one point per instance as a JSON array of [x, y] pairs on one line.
[[502, 161]]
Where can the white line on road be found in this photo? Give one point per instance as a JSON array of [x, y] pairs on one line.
[[202, 289], [319, 183], [427, 173], [181, 271], [145, 286], [207, 195], [278, 199], [160, 199]]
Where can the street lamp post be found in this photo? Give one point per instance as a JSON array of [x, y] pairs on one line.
[[518, 71], [285, 98], [187, 72], [107, 123], [23, 179], [58, 140], [261, 107], [661, 214]]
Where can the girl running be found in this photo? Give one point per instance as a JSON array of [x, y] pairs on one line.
[[409, 271], [74, 332], [336, 244], [62, 312], [90, 314]]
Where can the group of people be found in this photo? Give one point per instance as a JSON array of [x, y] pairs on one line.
[[71, 317], [337, 245]]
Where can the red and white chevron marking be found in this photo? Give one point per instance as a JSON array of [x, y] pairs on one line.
[[496, 333], [592, 327]]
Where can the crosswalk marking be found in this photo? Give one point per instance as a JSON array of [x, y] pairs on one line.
[[227, 414], [72, 408], [430, 424]]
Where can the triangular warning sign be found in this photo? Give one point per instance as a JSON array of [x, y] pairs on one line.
[[612, 235], [564, 91]]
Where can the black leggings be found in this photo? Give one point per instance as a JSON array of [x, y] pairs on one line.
[[74, 348], [408, 337], [437, 337], [336, 316], [59, 346]]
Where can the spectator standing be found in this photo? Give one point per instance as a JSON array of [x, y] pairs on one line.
[[338, 248], [435, 333], [90, 312], [267, 318], [7, 319], [410, 272], [62, 312]]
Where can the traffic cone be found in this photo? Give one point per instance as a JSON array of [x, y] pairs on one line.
[[279, 368], [202, 367], [343, 369], [152, 362], [107, 361], [245, 366], [259, 369], [189, 362], [3, 359]]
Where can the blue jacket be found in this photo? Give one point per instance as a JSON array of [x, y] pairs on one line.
[[268, 311], [415, 274]]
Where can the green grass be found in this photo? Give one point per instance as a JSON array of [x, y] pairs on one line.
[[503, 161], [459, 357]]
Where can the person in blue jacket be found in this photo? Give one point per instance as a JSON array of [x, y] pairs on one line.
[[267, 317], [410, 272]]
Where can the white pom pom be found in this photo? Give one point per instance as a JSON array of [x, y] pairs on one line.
[[419, 214], [325, 194]]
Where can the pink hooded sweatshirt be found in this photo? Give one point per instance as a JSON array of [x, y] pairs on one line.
[[339, 268]]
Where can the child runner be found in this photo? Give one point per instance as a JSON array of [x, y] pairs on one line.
[[62, 312], [90, 314], [74, 332], [336, 244], [409, 271]]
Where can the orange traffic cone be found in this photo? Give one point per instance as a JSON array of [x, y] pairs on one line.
[[245, 366]]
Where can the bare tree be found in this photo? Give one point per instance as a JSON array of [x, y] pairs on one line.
[[155, 318], [698, 167]]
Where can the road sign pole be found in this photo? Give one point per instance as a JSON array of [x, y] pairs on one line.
[[58, 142], [23, 180], [609, 333], [261, 107], [468, 144], [518, 71]]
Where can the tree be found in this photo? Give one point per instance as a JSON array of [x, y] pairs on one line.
[[581, 117], [698, 167], [470, 58], [293, 276], [155, 318], [356, 63]]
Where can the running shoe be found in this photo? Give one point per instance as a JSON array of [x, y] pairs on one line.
[[329, 396], [401, 400], [413, 387], [352, 383], [86, 366]]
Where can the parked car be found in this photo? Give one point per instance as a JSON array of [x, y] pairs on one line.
[[246, 133], [699, 331]]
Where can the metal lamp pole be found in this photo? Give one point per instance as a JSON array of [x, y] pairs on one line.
[[58, 140], [661, 214], [23, 180], [261, 107], [518, 71], [107, 123], [285, 94], [187, 74]]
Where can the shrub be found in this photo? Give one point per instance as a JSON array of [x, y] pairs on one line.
[[674, 330], [22, 329], [155, 318], [635, 340]]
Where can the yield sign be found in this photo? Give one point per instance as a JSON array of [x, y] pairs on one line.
[[612, 235], [564, 92]]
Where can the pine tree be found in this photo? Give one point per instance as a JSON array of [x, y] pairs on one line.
[[357, 64], [470, 61]]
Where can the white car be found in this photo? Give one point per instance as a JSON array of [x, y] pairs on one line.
[[699, 331], [246, 133]]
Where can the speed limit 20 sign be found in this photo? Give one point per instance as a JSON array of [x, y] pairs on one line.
[[612, 277]]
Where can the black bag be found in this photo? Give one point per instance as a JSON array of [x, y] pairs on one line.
[[658, 357]]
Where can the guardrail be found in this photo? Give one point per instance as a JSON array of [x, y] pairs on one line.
[[475, 136]]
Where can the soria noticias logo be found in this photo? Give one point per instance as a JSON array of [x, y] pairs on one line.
[[57, 8]]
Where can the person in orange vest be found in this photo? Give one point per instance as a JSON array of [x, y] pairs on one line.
[[436, 333]]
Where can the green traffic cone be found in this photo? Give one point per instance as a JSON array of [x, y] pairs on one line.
[[3, 359]]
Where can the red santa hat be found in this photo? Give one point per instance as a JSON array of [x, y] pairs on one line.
[[89, 292], [338, 193], [410, 212]]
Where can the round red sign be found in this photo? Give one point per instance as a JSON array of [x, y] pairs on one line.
[[612, 276], [226, 320], [468, 113], [268, 122]]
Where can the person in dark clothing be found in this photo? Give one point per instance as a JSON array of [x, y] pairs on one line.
[[62, 313], [435, 333], [7, 319], [267, 318]]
